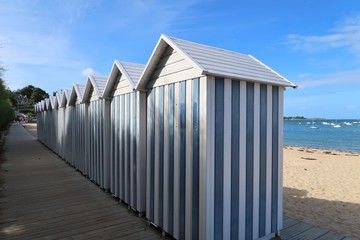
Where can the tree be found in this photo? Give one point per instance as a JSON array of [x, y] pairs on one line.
[[7, 113]]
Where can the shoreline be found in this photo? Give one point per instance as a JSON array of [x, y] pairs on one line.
[[321, 187], [322, 149]]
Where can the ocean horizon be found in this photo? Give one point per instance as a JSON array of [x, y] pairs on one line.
[[334, 134]]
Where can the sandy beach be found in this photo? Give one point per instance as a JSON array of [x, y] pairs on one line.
[[322, 187]]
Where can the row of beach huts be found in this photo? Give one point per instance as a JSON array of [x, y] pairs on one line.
[[192, 140]]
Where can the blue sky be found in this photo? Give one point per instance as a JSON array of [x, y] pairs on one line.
[[314, 43]]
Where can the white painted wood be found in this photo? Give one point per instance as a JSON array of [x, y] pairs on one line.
[[280, 171], [188, 162], [256, 189], [210, 155], [176, 160], [268, 158], [166, 161], [227, 160], [132, 148], [121, 129], [186, 74], [203, 158], [242, 161]]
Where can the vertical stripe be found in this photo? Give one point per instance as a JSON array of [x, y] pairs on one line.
[[249, 159], [219, 157], [128, 147], [161, 155], [176, 160], [116, 146], [280, 161], [171, 157], [275, 157], [268, 158], [182, 148], [122, 148], [134, 135], [263, 139], [148, 155], [188, 161], [152, 153], [210, 156], [195, 158], [166, 160], [256, 168], [235, 124], [156, 161], [227, 160]]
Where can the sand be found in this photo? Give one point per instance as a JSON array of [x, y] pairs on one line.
[[322, 187]]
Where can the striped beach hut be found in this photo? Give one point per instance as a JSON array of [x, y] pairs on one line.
[[97, 149], [128, 134], [67, 137], [78, 129], [214, 142]]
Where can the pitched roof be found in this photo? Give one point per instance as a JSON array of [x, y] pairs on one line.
[[98, 83], [77, 92], [214, 61], [65, 97], [47, 104], [131, 71]]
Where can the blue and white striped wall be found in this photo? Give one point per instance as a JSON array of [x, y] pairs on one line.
[[128, 147], [214, 159]]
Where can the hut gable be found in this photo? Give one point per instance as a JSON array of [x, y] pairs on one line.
[[59, 96], [123, 78], [76, 94], [54, 101], [65, 97], [94, 88], [205, 60], [47, 104]]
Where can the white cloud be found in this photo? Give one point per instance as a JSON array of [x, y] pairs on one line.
[[350, 77], [345, 34], [89, 71]]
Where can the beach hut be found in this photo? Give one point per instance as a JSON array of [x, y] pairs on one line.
[[97, 147], [214, 142], [128, 134], [77, 119]]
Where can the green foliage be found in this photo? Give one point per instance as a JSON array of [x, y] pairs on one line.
[[7, 113]]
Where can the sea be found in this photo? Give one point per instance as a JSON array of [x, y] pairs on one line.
[[335, 134]]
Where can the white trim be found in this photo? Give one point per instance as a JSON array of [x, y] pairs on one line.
[[210, 156], [176, 215], [203, 158], [156, 160]]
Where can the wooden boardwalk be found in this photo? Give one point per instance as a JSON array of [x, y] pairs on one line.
[[42, 197]]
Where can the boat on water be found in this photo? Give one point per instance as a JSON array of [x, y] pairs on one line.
[[313, 126], [347, 123], [337, 126], [325, 123]]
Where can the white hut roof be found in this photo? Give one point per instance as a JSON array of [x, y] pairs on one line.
[[131, 71], [98, 84], [59, 96], [214, 61]]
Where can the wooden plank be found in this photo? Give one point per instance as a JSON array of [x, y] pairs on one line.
[[312, 233], [331, 236], [288, 222], [294, 230]]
